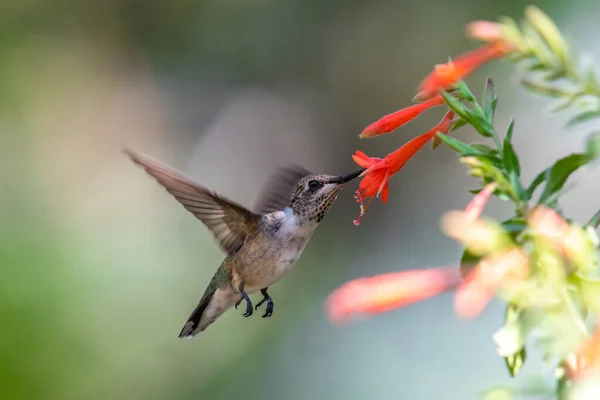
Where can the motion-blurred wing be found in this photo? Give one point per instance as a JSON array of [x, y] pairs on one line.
[[229, 223], [277, 193]]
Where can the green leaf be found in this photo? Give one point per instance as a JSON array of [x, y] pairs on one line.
[[563, 105], [515, 362], [493, 106], [489, 99], [465, 92], [514, 226], [589, 76], [562, 387], [537, 181], [592, 146], [517, 187], [477, 120], [552, 200], [584, 116], [487, 153], [544, 90], [492, 160], [554, 75], [481, 124], [510, 339], [594, 221], [458, 124], [510, 160], [468, 262], [509, 130], [537, 66], [455, 105], [504, 196], [457, 145], [485, 149], [559, 172]]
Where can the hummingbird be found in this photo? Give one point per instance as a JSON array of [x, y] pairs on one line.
[[262, 246]]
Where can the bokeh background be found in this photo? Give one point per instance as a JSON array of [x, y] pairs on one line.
[[100, 268]]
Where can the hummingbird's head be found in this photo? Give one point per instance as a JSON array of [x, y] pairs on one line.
[[315, 194]]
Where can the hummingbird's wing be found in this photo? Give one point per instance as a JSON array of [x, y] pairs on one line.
[[277, 193], [230, 223]]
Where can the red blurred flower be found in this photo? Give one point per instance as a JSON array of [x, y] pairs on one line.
[[486, 31], [444, 76], [548, 223], [477, 204], [379, 170], [501, 269], [395, 120], [572, 241], [385, 292], [585, 358], [492, 273]]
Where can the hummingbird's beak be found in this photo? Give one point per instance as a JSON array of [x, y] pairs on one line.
[[346, 178]]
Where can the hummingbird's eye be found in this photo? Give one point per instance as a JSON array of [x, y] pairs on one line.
[[314, 184]]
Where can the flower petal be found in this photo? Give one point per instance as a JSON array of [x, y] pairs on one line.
[[385, 192], [585, 357], [476, 205], [473, 296], [398, 158], [444, 76], [364, 160], [395, 120], [385, 292], [491, 273], [376, 177], [486, 31]]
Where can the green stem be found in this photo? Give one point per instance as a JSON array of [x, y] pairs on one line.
[[497, 141]]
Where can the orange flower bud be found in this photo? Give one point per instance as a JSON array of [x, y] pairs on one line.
[[486, 31]]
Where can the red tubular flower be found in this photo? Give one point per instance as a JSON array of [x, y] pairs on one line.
[[388, 291], [379, 171], [395, 120], [477, 204], [491, 273], [446, 75]]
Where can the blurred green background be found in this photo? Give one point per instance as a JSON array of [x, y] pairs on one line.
[[100, 268]]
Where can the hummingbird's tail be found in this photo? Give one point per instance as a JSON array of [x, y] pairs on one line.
[[212, 305]]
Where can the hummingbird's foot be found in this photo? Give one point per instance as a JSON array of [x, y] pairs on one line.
[[270, 303], [248, 304]]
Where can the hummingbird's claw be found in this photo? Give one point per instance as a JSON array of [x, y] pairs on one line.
[[248, 304], [270, 303]]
